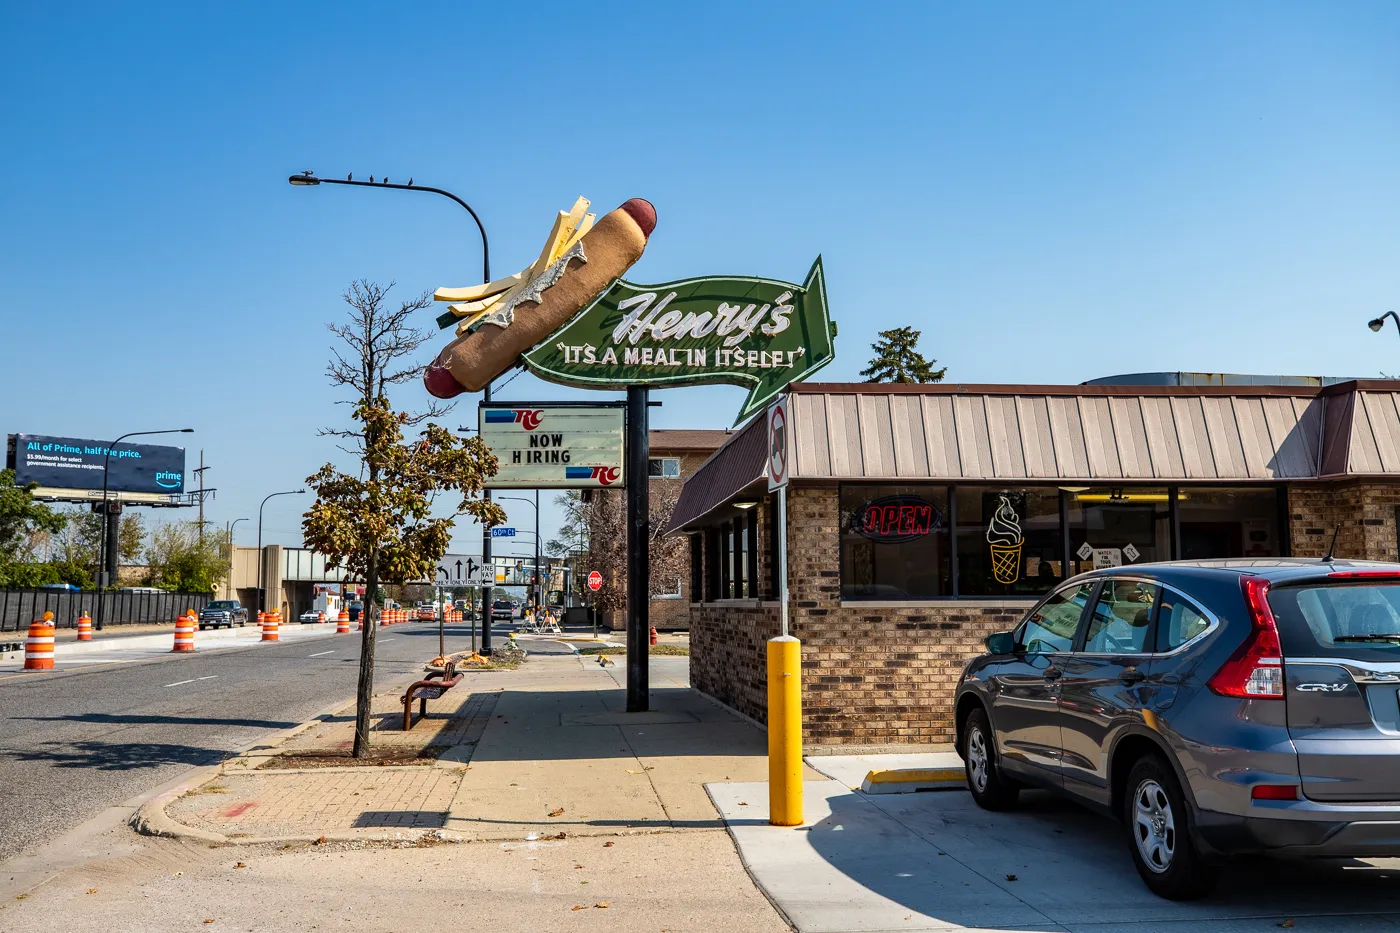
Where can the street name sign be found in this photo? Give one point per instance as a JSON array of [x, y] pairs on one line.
[[501, 531], [752, 332], [554, 445]]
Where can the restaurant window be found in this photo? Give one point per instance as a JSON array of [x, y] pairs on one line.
[[664, 468], [1008, 540], [1114, 526], [1240, 522], [713, 539], [894, 542]]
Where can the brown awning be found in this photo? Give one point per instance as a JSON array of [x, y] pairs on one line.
[[730, 470], [999, 433]]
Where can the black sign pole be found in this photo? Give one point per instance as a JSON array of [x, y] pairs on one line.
[[638, 562]]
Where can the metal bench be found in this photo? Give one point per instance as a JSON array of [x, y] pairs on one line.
[[424, 690]]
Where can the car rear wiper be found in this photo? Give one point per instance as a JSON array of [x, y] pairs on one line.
[[1392, 636]]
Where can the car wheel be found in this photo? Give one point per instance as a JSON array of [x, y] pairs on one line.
[[1154, 812], [989, 788], [201, 628]]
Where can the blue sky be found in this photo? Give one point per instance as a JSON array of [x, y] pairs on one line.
[[1050, 192]]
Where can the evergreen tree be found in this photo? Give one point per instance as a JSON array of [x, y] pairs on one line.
[[897, 359]]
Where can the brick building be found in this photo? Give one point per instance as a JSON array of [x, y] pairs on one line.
[[675, 455], [923, 518]]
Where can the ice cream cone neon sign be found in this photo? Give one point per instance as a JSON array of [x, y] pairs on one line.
[[1005, 540]]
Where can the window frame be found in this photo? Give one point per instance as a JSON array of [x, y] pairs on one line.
[[663, 461], [1019, 630], [1081, 637]]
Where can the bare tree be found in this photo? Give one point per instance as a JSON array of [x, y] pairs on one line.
[[378, 525], [601, 517]]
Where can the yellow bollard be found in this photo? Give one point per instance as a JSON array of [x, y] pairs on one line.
[[785, 731]]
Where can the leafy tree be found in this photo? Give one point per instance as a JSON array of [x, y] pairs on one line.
[[21, 517], [182, 562], [379, 525], [131, 537], [897, 359]]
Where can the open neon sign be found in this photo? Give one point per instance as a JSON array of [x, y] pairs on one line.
[[895, 518]]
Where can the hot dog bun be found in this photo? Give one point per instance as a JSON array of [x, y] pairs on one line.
[[469, 363]]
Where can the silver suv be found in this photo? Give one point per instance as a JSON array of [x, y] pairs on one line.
[[1215, 707]]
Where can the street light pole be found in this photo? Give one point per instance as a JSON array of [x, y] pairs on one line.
[[107, 534], [536, 504], [233, 590], [262, 600], [308, 179]]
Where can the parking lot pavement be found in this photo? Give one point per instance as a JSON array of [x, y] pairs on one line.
[[115, 647], [936, 861]]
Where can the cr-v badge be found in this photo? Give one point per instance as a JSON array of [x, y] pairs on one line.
[[1320, 688]]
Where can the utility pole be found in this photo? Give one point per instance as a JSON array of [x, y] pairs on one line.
[[200, 473]]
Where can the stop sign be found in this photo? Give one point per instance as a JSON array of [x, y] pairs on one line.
[[595, 581]]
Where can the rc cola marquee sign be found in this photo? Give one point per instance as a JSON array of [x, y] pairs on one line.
[[554, 446], [758, 333]]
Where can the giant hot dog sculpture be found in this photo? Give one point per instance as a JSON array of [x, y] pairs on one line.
[[502, 319]]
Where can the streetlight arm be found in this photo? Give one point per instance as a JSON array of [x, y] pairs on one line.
[[306, 178], [1377, 323]]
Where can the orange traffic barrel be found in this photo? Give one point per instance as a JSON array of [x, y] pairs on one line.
[[38, 647], [184, 632], [84, 627], [320, 616], [342, 622], [269, 626]]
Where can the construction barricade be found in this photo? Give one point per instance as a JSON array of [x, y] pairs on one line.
[[342, 622], [269, 625], [84, 627], [38, 647], [184, 632]]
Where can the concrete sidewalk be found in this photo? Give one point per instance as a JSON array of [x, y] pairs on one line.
[[515, 756]]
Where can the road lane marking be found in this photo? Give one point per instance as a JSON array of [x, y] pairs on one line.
[[319, 653], [179, 682], [386, 641], [210, 677]]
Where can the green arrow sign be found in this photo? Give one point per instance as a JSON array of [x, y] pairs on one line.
[[759, 333]]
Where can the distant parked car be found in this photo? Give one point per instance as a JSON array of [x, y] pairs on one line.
[[223, 613], [310, 615], [1215, 707]]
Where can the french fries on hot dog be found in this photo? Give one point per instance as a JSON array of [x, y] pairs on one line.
[[502, 319]]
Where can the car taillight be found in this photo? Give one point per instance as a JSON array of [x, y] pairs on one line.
[[1255, 670], [1274, 792]]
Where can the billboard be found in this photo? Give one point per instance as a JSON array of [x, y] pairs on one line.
[[544, 445], [75, 463]]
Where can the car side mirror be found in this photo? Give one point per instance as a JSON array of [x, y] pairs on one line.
[[1001, 643]]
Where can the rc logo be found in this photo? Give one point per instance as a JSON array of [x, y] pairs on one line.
[[527, 418], [605, 476]]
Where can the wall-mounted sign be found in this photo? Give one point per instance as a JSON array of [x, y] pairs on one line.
[[554, 445], [74, 463], [758, 333], [1004, 535], [893, 519]]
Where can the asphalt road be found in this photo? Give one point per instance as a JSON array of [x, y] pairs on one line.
[[73, 743]]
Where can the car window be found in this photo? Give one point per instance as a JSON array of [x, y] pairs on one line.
[[1178, 621], [1121, 616], [1051, 627]]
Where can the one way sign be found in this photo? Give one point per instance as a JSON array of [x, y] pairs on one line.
[[459, 570]]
